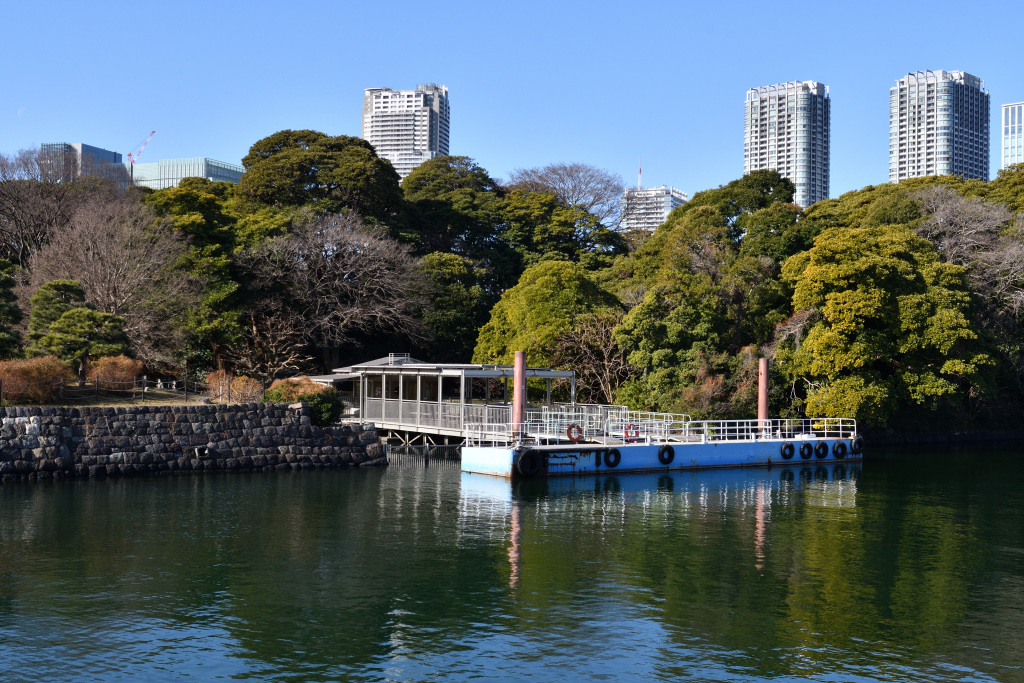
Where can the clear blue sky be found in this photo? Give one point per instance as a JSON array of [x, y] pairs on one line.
[[530, 82]]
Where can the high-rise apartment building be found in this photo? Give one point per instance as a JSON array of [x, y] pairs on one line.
[[407, 127], [645, 208], [165, 173], [786, 129], [1013, 134], [63, 162], [938, 125]]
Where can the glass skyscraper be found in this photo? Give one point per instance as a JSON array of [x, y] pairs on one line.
[[938, 125], [1013, 134], [63, 162], [786, 128], [169, 172]]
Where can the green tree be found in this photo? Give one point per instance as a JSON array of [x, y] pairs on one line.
[[704, 289], [456, 207], [10, 312], [540, 227], [48, 304], [530, 316], [81, 335], [295, 168], [890, 325], [458, 307]]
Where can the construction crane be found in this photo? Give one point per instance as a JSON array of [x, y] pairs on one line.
[[132, 160]]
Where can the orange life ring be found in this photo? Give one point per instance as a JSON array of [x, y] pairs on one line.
[[574, 432], [631, 431]]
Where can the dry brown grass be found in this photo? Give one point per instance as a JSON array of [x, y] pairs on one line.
[[33, 380]]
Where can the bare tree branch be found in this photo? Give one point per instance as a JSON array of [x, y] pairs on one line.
[[596, 190], [124, 257]]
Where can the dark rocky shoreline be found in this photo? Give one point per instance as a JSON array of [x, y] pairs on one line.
[[50, 442]]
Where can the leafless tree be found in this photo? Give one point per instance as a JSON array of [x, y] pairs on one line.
[[986, 239], [331, 280], [124, 257], [273, 344], [589, 348], [597, 190], [33, 204]]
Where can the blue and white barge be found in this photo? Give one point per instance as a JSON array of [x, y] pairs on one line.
[[611, 439]]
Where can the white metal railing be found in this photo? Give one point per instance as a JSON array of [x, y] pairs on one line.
[[639, 427], [753, 430]]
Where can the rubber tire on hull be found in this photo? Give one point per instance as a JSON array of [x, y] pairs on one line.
[[666, 454], [857, 445], [806, 450], [821, 450], [530, 463], [612, 457], [839, 450], [788, 451]]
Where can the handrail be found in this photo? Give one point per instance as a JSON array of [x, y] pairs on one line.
[[656, 427]]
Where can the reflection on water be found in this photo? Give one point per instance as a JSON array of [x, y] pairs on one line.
[[882, 571]]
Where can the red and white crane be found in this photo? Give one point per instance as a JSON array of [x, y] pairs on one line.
[[132, 160]]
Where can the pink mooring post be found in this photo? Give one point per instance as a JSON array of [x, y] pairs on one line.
[[518, 391], [762, 389]]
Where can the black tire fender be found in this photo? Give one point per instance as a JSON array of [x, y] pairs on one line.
[[839, 450], [530, 463], [788, 451], [857, 445], [806, 450], [666, 454], [821, 450], [612, 457]]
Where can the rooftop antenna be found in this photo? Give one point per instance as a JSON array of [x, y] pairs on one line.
[[131, 161], [639, 171]]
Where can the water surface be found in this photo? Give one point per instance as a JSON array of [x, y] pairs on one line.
[[903, 568]]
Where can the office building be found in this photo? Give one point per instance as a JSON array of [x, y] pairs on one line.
[[169, 172], [647, 208], [64, 162], [407, 127], [786, 129], [1013, 134], [938, 125]]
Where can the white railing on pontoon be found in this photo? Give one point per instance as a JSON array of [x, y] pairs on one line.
[[639, 427]]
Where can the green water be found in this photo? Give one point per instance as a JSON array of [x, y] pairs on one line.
[[897, 569]]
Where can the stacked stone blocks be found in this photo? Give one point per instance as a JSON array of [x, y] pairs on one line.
[[52, 442]]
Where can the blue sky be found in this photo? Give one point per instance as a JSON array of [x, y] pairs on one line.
[[530, 82]]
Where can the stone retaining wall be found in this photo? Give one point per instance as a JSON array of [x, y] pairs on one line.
[[59, 442]]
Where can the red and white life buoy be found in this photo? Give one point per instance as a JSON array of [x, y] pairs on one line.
[[574, 432]]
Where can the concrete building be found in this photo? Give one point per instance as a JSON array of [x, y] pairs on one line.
[[645, 208], [938, 125], [63, 162], [787, 129], [1013, 134], [169, 172], [407, 127]]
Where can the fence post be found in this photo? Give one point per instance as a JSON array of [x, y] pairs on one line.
[[186, 388], [143, 388], [229, 388], [97, 381], [60, 390]]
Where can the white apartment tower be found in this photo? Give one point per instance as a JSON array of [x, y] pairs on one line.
[[647, 208], [938, 125], [407, 127], [786, 129], [1013, 134]]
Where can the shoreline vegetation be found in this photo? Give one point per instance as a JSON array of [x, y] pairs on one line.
[[898, 305]]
